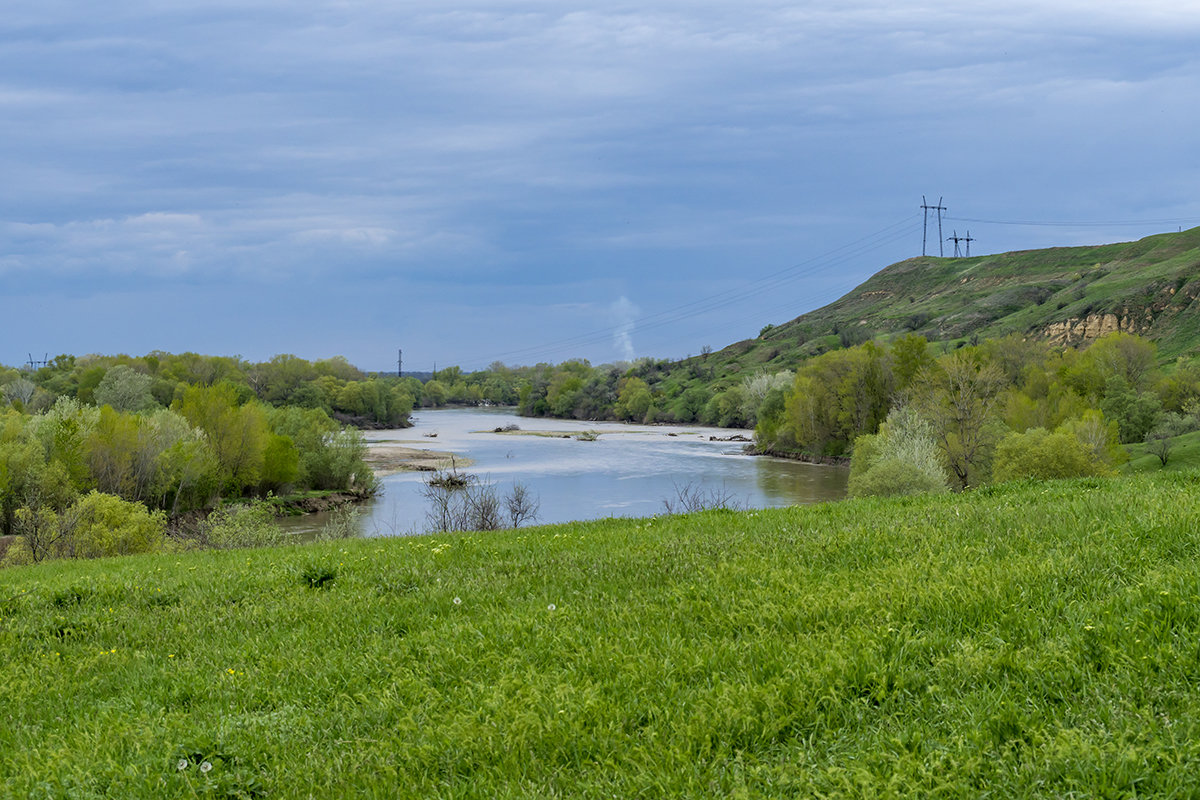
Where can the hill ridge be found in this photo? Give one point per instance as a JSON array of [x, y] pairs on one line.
[[1070, 295]]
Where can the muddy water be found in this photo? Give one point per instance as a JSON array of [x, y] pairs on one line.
[[627, 471]]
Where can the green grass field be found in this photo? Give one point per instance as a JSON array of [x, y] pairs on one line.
[[1184, 456], [1034, 640]]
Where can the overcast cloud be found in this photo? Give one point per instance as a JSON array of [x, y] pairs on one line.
[[517, 180]]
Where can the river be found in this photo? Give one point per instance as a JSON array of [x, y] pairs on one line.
[[627, 471]]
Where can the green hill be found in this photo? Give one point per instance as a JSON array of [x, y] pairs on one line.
[[1069, 295], [1028, 640]]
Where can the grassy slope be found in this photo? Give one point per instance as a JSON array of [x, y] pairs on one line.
[[1029, 640], [1155, 280], [1184, 455]]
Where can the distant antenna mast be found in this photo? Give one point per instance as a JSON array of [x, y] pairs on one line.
[[939, 208], [399, 363]]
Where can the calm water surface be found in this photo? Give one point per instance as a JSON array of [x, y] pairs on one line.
[[626, 472]]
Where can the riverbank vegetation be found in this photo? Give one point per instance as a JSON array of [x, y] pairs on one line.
[[1036, 639], [1012, 407], [118, 456]]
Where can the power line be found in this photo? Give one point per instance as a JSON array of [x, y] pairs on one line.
[[1076, 223]]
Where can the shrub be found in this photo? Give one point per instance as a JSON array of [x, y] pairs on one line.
[[95, 526], [901, 459], [242, 525], [1037, 453]]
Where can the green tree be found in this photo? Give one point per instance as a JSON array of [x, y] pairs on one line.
[[633, 399], [433, 394], [1125, 356], [237, 434], [1160, 441], [958, 396], [1134, 412], [125, 389], [281, 464], [910, 355]]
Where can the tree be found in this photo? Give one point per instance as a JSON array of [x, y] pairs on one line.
[[958, 396], [238, 434], [1098, 436], [1134, 412], [910, 355], [1160, 441], [433, 394], [20, 391], [1124, 355], [755, 388], [125, 389], [112, 452], [633, 399]]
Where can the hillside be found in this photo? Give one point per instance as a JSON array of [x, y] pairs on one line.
[[1028, 640], [1068, 295]]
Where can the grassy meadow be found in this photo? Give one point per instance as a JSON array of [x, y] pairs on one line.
[[1029, 640]]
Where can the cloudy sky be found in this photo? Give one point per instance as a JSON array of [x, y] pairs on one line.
[[533, 181]]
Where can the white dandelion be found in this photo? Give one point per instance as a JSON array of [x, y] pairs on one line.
[[182, 765], [206, 766], [458, 601]]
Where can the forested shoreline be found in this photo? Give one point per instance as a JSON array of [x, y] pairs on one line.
[[104, 455], [960, 415], [116, 454]]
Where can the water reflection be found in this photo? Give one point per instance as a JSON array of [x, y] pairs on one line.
[[628, 471]]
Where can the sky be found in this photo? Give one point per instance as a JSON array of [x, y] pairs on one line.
[[493, 180]]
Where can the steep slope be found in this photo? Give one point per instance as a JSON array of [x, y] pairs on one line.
[[1069, 295]]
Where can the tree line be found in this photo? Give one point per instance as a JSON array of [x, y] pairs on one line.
[[998, 409], [95, 452], [912, 417]]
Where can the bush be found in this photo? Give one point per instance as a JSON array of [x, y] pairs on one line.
[[95, 526], [1039, 454], [901, 459], [892, 477], [242, 525], [460, 502]]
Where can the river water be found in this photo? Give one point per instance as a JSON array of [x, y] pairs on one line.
[[626, 472]]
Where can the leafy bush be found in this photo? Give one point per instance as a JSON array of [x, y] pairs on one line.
[[97, 525], [901, 459], [1037, 453], [242, 525]]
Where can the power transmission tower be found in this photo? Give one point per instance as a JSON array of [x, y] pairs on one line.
[[939, 208], [968, 240], [399, 363], [956, 239]]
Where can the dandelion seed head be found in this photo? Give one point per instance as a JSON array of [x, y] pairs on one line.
[[551, 607], [182, 765], [206, 766], [458, 601]]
